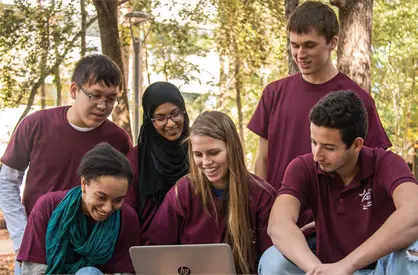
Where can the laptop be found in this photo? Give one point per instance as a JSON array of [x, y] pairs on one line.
[[183, 259]]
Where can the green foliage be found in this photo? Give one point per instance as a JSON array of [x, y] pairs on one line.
[[395, 69], [251, 37], [171, 43], [28, 34]]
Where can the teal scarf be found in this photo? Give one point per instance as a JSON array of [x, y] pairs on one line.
[[67, 233]]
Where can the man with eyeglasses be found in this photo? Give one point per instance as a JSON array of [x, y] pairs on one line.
[[52, 142]]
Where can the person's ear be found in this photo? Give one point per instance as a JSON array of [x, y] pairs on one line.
[[358, 144], [333, 43], [73, 90], [83, 185]]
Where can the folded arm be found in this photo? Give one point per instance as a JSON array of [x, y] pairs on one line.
[[286, 235]]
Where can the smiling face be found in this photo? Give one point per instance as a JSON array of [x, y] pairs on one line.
[[211, 157], [173, 129], [103, 195], [331, 153], [86, 114], [312, 53]]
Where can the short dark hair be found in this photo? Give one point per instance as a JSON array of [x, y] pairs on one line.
[[317, 15], [342, 110], [104, 160], [97, 68]]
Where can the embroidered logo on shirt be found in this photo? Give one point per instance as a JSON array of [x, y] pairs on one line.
[[366, 198]]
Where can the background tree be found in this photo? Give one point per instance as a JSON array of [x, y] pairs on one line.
[[395, 70], [253, 53], [107, 14], [23, 29], [354, 45], [290, 6]]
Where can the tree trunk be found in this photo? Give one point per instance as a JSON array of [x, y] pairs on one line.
[[45, 51], [107, 13], [290, 6], [43, 96], [223, 78], [354, 46], [83, 45], [58, 86], [57, 73], [238, 89], [147, 66]]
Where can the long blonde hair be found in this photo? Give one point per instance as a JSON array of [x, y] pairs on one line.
[[239, 236]]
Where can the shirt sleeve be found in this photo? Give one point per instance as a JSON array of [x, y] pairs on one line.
[[128, 145], [165, 227], [19, 149], [33, 243], [376, 136], [132, 196], [11, 205], [296, 181], [260, 120], [392, 172], [263, 213]]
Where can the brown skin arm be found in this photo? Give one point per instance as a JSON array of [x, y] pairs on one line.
[[286, 235]]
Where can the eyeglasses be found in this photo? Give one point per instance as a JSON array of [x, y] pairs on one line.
[[97, 99], [175, 116]]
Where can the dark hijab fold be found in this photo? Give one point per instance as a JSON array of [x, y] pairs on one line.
[[161, 162]]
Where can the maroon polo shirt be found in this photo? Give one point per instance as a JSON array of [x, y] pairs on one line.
[[282, 117], [53, 150], [346, 216], [33, 243], [182, 219], [149, 207]]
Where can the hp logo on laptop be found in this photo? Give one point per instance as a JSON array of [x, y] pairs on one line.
[[184, 270]]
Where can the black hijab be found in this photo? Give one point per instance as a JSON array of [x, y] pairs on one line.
[[161, 162]]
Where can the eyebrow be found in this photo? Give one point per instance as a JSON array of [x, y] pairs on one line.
[[325, 144], [169, 113], [304, 43], [101, 93], [105, 195]]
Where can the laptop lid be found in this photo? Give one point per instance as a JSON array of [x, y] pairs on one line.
[[183, 259]]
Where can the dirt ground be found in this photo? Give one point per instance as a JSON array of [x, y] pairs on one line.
[[6, 264], [6, 260]]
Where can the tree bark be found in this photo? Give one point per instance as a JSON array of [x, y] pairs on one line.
[[290, 6], [238, 89], [57, 73], [354, 46], [223, 78], [107, 14], [83, 45], [45, 50]]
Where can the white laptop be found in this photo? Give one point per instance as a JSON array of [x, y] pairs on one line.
[[183, 259]]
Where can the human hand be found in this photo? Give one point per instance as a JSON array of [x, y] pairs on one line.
[[330, 269], [307, 227]]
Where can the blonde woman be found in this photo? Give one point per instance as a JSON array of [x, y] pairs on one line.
[[220, 201]]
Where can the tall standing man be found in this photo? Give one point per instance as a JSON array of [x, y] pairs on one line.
[[52, 142], [281, 117]]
